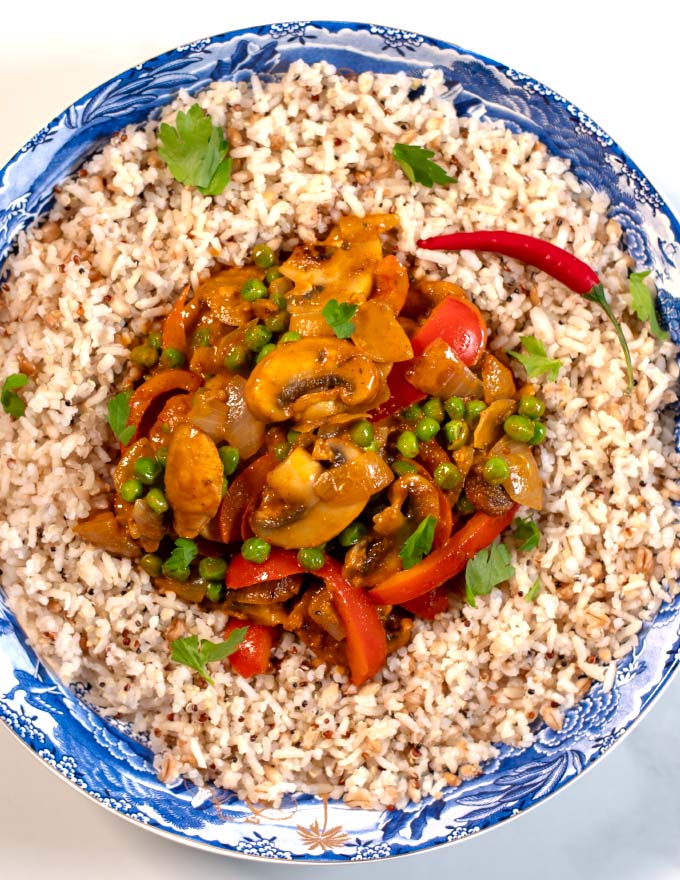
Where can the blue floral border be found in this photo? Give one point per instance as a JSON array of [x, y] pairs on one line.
[[98, 755]]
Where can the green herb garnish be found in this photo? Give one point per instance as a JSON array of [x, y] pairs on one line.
[[119, 413], [196, 655], [196, 151], [642, 304], [488, 568], [419, 543], [11, 402], [526, 534], [177, 564], [417, 165], [534, 590], [338, 317], [535, 360]]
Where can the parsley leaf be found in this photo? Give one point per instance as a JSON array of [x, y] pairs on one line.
[[11, 402], [190, 652], [488, 568], [535, 361], [417, 165], [533, 590], [177, 564], [196, 151], [119, 413], [642, 303], [419, 543], [526, 534], [338, 316]]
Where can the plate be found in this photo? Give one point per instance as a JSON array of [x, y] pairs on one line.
[[97, 755]]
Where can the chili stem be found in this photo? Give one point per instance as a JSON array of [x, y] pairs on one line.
[[596, 295]]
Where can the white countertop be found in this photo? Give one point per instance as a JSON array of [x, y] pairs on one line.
[[619, 822]]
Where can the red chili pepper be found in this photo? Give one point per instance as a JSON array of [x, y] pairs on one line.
[[147, 400], [455, 320], [443, 563], [365, 634], [248, 484], [253, 654], [556, 262]]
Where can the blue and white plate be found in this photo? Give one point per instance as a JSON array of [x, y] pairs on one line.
[[97, 756]]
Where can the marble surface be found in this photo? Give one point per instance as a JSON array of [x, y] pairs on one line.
[[621, 819]]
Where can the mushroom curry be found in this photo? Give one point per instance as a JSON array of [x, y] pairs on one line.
[[319, 446]]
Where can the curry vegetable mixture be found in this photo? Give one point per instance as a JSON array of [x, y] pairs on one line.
[[321, 447]]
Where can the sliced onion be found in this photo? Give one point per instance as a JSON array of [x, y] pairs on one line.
[[147, 525], [210, 415], [241, 430], [440, 372], [524, 484]]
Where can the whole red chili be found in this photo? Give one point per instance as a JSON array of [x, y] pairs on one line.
[[556, 262]]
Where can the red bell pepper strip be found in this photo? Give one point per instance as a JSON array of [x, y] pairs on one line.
[[279, 564], [429, 605], [556, 262], [174, 331], [148, 400], [246, 485], [252, 656], [455, 320], [366, 639], [365, 634], [443, 563]]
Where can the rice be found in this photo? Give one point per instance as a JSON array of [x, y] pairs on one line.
[[121, 242]]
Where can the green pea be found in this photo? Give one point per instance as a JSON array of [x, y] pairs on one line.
[[539, 434], [292, 436], [202, 338], [264, 351], [464, 506], [447, 476], [279, 301], [531, 407], [280, 287], [215, 591], [374, 446], [495, 470], [151, 564], [236, 358], [311, 558], [457, 433], [172, 358], [263, 256], [281, 451], [212, 568], [230, 458], [257, 337], [144, 356], [272, 274], [277, 322], [434, 409], [225, 486], [289, 336], [255, 550], [155, 340], [148, 470], [519, 428], [131, 490], [401, 467], [472, 410], [156, 500], [407, 444], [361, 433], [162, 455], [455, 408], [253, 289], [412, 413], [352, 534], [427, 428]]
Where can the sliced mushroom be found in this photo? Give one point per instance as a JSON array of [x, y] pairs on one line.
[[313, 378], [489, 428], [267, 593], [499, 382], [378, 333], [412, 498], [193, 480], [493, 500], [222, 294], [304, 505]]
